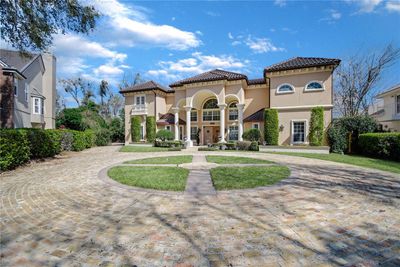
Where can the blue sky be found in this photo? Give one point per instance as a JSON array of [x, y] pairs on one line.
[[166, 41]]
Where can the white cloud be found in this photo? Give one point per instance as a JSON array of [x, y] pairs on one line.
[[393, 6], [367, 6], [108, 70], [197, 63], [333, 16], [280, 3], [198, 32], [230, 36], [261, 45]]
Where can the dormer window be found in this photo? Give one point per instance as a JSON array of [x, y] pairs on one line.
[[285, 89], [314, 86]]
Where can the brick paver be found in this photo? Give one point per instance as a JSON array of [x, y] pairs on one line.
[[59, 213]]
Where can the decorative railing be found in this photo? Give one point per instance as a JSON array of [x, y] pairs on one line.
[[139, 109]]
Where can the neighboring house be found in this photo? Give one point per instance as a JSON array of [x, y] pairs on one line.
[[386, 109], [220, 104], [28, 90]]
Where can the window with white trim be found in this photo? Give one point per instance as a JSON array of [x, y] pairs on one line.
[[211, 110], [15, 86], [255, 125], [140, 100], [26, 91], [37, 105], [233, 111], [299, 132], [314, 86], [193, 115], [285, 88]]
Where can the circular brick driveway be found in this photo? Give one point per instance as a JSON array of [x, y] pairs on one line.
[[59, 212]]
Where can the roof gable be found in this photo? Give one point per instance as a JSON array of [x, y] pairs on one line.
[[147, 86], [213, 75]]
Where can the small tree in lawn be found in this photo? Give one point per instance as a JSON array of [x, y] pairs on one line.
[[252, 135], [164, 135], [271, 127], [317, 126]]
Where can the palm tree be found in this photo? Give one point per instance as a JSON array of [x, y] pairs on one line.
[[103, 90]]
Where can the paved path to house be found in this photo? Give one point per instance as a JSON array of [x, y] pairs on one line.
[[199, 182], [59, 213]]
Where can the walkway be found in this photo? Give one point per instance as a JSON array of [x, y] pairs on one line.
[[59, 213], [199, 182]]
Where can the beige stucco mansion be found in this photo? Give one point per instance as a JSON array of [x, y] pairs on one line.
[[220, 105]]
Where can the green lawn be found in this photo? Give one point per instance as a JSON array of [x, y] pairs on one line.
[[144, 149], [160, 178], [379, 164], [225, 178], [235, 160], [162, 160]]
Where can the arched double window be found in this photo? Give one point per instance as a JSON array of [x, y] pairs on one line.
[[285, 88], [233, 111], [211, 110], [314, 86]]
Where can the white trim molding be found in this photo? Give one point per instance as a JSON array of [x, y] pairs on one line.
[[285, 92], [327, 106], [314, 90]]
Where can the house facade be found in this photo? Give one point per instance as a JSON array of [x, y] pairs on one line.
[[28, 90], [386, 110], [218, 105]]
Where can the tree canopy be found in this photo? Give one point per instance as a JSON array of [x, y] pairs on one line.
[[30, 25]]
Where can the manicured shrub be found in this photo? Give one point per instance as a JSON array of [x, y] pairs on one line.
[[271, 127], [135, 128], [230, 146], [243, 145], [40, 143], [102, 137], [56, 137], [164, 135], [343, 133], [317, 126], [83, 140], [380, 145], [150, 129], [71, 118], [254, 146], [168, 143], [252, 135], [14, 149], [208, 149]]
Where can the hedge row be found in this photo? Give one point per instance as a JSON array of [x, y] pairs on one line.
[[150, 129], [135, 128], [380, 145], [271, 127], [18, 146]]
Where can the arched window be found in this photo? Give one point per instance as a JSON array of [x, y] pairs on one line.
[[233, 111], [314, 86], [211, 110], [285, 88]]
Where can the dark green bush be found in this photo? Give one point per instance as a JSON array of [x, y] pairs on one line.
[[82, 140], [150, 129], [135, 128], [40, 143], [168, 143], [343, 132], [317, 126], [56, 136], [254, 146], [164, 135], [271, 127], [71, 118], [14, 149], [208, 149], [252, 135], [230, 146], [117, 130], [102, 137], [380, 145]]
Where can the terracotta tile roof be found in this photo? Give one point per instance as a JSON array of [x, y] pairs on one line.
[[213, 75], [147, 86], [256, 116], [168, 119], [302, 62], [256, 81]]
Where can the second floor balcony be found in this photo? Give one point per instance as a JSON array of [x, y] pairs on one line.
[[139, 110]]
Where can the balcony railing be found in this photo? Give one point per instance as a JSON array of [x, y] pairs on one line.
[[139, 109]]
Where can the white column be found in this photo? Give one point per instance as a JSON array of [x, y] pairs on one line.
[[240, 120], [188, 142], [176, 123], [222, 122]]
